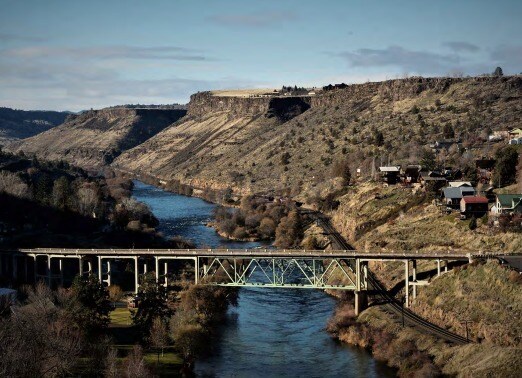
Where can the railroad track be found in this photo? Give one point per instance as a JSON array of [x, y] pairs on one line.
[[391, 305]]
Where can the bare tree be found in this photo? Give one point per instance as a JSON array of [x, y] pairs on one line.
[[136, 364], [159, 336], [11, 183], [111, 364]]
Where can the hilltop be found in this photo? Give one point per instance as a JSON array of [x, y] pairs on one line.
[[94, 138], [19, 124], [289, 144]]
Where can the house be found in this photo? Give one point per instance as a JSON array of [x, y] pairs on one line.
[[515, 141], [459, 184], [390, 175], [452, 196], [473, 206], [507, 203], [515, 134], [432, 177], [411, 174]]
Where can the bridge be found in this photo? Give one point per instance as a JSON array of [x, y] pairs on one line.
[[305, 269]]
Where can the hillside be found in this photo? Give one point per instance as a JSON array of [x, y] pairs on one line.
[[19, 124], [94, 138], [289, 144]]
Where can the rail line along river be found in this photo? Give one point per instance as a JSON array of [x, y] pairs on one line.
[[272, 332]]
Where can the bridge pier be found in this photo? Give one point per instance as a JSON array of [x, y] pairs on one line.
[[361, 302], [136, 275], [407, 283], [414, 278]]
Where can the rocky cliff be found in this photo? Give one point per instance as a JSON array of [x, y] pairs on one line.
[[94, 138]]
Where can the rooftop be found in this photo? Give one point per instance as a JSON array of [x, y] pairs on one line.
[[471, 199]]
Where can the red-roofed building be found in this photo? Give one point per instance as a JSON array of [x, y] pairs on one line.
[[473, 206]]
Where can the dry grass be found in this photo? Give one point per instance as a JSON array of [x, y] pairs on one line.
[[487, 294]]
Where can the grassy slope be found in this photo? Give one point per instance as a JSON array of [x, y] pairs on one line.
[[487, 294]]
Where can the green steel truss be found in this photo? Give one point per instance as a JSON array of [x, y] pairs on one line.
[[283, 272]]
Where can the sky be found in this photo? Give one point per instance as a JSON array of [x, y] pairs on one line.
[[76, 55]]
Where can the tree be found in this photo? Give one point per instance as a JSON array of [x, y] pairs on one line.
[[91, 306], [158, 337], [61, 193], [473, 223], [152, 303], [428, 160], [448, 131], [188, 335], [342, 169], [378, 138], [498, 72], [289, 231], [136, 364], [505, 167]]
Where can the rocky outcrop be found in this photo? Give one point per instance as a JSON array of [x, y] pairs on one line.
[[284, 108]]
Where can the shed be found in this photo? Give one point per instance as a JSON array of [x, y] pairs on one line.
[[473, 206]]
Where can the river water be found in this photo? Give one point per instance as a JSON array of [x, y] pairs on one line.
[[272, 332]]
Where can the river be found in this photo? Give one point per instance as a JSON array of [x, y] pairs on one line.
[[272, 332]]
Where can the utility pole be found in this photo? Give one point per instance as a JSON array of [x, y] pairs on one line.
[[466, 322]]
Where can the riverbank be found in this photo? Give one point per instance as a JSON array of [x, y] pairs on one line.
[[492, 308]]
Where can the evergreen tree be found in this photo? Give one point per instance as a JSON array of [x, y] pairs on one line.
[[90, 306], [152, 303]]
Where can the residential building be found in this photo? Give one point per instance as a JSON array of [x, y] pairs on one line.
[[390, 175], [507, 203], [473, 206], [452, 196]]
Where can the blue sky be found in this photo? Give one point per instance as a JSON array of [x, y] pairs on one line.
[[74, 55]]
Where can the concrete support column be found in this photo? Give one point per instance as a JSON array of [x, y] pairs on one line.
[[361, 302], [166, 274], [80, 266], [414, 278], [109, 281], [156, 268], [446, 266], [136, 283], [438, 267], [100, 275], [49, 270], [60, 267], [145, 267], [196, 270], [357, 275], [35, 267], [89, 267], [407, 282]]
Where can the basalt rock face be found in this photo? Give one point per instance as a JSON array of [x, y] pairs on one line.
[[290, 144], [284, 108], [94, 138]]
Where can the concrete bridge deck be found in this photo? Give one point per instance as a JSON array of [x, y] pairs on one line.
[[267, 253]]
